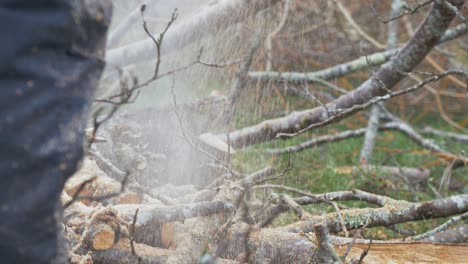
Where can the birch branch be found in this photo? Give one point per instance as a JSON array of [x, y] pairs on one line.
[[453, 136], [151, 214], [442, 227], [396, 124], [421, 43], [329, 138], [297, 123], [361, 63], [374, 120], [310, 198], [412, 134], [393, 212]]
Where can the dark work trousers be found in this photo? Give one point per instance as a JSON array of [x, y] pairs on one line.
[[51, 57]]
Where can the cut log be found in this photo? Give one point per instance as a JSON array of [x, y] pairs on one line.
[[121, 253], [274, 246], [102, 236], [99, 183], [153, 225], [408, 252], [102, 230]]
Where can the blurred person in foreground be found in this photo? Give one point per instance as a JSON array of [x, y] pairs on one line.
[[51, 57]]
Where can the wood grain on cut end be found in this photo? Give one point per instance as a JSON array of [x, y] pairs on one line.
[[167, 235], [104, 237], [409, 253]]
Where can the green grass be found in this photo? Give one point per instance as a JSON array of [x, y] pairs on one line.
[[314, 169]]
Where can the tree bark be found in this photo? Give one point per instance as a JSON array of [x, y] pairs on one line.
[[421, 43], [393, 212], [361, 63]]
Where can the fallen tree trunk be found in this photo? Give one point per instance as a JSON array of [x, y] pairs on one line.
[[275, 246], [148, 214], [415, 50], [293, 244], [207, 21], [406, 252], [154, 225]]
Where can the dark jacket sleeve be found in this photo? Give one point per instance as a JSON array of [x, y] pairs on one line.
[[51, 57]]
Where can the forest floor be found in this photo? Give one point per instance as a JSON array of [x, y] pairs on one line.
[[325, 168]]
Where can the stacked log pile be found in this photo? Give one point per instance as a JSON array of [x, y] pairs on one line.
[[183, 224]]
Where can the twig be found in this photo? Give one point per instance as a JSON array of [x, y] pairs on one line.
[[425, 143], [406, 180], [456, 11], [271, 35], [450, 135], [128, 94], [133, 231], [350, 246], [353, 23], [328, 138], [241, 80], [329, 197], [358, 64], [79, 189], [342, 221], [442, 227], [340, 113], [446, 178], [407, 10], [364, 253]]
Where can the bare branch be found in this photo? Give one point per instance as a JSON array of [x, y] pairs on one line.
[[393, 212], [416, 49], [361, 63], [407, 10], [353, 23], [442, 227], [450, 135]]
